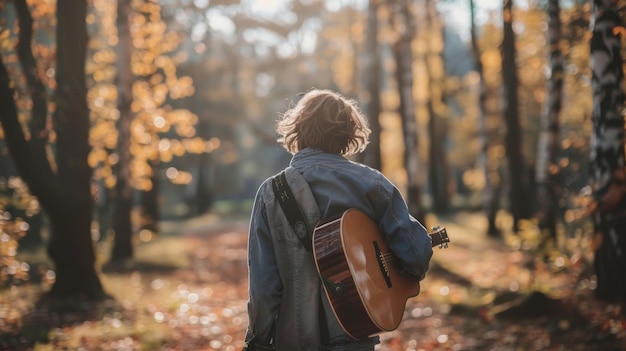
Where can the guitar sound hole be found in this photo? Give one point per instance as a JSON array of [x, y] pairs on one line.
[[382, 264]]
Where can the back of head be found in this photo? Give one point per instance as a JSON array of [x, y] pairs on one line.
[[324, 120]]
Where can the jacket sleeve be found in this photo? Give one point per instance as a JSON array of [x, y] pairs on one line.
[[264, 281], [406, 236]]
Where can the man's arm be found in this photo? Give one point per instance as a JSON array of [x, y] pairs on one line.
[[264, 281]]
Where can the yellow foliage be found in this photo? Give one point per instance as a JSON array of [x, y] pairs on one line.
[[212, 144], [177, 147], [343, 70], [491, 58], [390, 100], [474, 179], [43, 8], [96, 156], [194, 145], [166, 155], [140, 168]]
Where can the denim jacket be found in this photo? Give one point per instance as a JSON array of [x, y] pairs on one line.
[[284, 287]]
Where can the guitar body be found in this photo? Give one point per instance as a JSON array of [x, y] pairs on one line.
[[349, 252]]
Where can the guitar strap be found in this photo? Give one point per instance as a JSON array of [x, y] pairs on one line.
[[291, 209], [294, 215]]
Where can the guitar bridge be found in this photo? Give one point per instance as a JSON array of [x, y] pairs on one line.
[[382, 264]]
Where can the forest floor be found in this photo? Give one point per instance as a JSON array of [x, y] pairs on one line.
[[187, 290]]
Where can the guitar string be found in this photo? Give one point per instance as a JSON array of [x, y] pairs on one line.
[[391, 258]]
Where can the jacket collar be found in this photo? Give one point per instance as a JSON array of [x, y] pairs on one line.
[[308, 152]]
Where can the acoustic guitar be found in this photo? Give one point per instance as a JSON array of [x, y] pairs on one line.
[[365, 286]]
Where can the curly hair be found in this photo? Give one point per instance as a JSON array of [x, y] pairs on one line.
[[324, 120]]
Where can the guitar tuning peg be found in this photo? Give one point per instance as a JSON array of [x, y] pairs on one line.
[[435, 228]]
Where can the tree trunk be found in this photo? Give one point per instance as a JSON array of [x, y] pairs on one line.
[[200, 199], [150, 202], [607, 153], [547, 174], [437, 161], [36, 89], [404, 75], [518, 193], [72, 252], [38, 125], [492, 180], [70, 212], [104, 209], [33, 238], [122, 224], [64, 193], [205, 198], [372, 155], [354, 87]]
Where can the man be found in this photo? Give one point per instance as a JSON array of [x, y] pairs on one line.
[[287, 307]]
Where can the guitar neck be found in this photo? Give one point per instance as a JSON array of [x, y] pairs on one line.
[[439, 237]]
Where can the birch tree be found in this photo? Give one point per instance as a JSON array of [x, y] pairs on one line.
[[608, 179]]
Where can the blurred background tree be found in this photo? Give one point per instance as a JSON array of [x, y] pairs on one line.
[[402, 20], [547, 175], [519, 187], [61, 183], [608, 177]]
